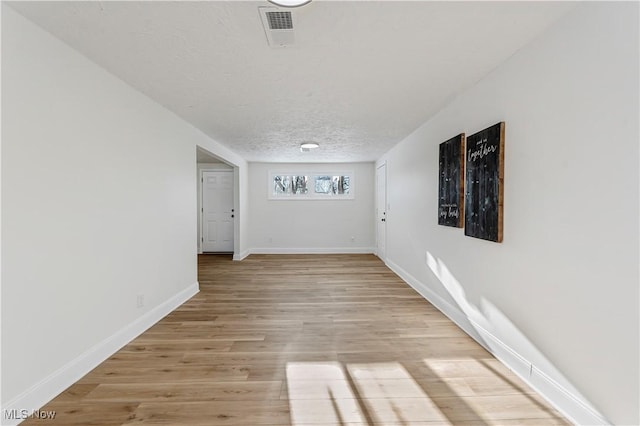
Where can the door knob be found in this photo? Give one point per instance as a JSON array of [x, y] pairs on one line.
[[383, 219], [232, 216]]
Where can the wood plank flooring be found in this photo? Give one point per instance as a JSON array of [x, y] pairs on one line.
[[301, 340]]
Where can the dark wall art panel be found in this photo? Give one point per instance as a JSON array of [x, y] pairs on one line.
[[451, 186], [484, 184]]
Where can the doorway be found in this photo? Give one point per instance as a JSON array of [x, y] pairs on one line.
[[217, 211]]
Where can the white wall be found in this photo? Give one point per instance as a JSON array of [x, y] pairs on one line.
[[562, 289], [283, 226], [99, 205]]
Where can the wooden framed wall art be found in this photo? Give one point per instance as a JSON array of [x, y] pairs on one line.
[[451, 182], [484, 184]]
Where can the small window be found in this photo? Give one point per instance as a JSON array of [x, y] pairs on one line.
[[333, 185], [285, 185]]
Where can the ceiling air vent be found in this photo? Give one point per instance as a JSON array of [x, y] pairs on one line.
[[280, 20], [278, 26]]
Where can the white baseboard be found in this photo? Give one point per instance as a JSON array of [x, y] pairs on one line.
[[242, 255], [570, 405], [453, 313], [323, 250], [47, 389], [564, 401]]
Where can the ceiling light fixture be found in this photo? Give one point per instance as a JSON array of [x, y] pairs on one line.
[[290, 3], [308, 146]]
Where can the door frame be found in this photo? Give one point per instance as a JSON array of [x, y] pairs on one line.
[[201, 204], [377, 215]]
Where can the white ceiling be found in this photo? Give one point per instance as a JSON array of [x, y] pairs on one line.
[[361, 76]]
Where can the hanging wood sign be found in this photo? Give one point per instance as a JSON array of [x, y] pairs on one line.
[[484, 184], [451, 184]]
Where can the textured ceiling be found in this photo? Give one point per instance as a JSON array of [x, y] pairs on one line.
[[360, 77]]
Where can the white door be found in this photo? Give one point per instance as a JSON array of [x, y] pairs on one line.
[[381, 210], [217, 211]]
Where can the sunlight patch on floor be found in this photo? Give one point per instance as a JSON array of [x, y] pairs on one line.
[[371, 393], [320, 393], [391, 395]]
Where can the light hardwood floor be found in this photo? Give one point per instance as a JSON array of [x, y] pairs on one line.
[[301, 340]]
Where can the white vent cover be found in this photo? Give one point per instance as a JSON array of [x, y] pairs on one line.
[[279, 20], [278, 26]]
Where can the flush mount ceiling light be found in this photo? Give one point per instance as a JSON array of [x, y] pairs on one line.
[[289, 3], [308, 146]]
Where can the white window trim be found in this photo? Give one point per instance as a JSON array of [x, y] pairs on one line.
[[311, 195]]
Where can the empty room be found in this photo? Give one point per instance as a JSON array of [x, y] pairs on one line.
[[320, 213]]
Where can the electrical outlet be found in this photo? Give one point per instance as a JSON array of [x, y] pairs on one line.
[[140, 301]]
